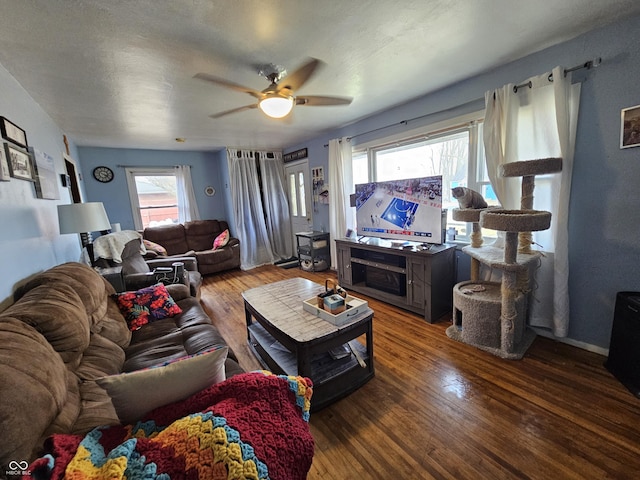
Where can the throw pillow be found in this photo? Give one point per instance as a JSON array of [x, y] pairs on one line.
[[135, 394], [146, 305], [221, 240], [155, 247]]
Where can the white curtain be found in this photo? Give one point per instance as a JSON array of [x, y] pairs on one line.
[[187, 204], [341, 215], [248, 214], [533, 123], [276, 205]]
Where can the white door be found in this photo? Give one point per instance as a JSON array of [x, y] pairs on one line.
[[299, 191]]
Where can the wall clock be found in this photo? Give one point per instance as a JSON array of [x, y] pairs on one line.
[[103, 174]]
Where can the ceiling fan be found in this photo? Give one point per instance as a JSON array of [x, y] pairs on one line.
[[279, 98]]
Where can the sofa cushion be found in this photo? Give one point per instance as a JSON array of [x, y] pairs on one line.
[[201, 233], [34, 380], [58, 314], [221, 240], [171, 237], [102, 357], [96, 409], [92, 289], [146, 305], [155, 248], [137, 393], [132, 259]]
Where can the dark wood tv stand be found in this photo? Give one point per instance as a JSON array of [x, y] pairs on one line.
[[414, 279]]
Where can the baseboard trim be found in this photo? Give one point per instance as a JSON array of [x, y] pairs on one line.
[[574, 343]]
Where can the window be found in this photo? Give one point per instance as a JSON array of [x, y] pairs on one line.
[[453, 149], [154, 196]]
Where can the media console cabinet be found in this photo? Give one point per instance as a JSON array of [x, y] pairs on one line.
[[411, 278]]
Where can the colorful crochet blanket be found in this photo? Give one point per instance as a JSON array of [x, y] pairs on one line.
[[251, 426]]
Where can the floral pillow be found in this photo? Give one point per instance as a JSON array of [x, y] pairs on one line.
[[221, 240], [155, 248], [146, 305]]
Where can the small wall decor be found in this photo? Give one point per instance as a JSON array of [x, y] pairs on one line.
[[103, 174], [293, 156], [630, 127], [209, 191], [45, 175], [5, 173], [20, 163], [320, 189], [10, 131]]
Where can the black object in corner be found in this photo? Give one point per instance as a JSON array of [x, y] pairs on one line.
[[624, 349]]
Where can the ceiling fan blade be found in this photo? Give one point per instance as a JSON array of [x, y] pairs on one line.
[[317, 100], [234, 110], [299, 77], [226, 83]]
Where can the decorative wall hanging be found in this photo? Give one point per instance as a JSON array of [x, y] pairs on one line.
[[10, 131], [293, 156], [103, 174], [5, 173], [630, 127], [20, 163], [45, 175]]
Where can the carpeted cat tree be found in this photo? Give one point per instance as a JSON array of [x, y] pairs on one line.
[[492, 315]]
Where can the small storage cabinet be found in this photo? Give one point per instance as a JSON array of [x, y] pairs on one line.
[[313, 251]]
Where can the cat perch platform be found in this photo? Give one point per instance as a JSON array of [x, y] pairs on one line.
[[491, 315]]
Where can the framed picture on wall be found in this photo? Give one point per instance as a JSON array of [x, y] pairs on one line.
[[10, 131], [45, 175], [630, 127], [19, 162], [5, 173]]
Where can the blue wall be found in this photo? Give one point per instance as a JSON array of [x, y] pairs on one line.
[[604, 224], [205, 171], [29, 234]]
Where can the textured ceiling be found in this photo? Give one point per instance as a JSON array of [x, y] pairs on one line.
[[119, 73]]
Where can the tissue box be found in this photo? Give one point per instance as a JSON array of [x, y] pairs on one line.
[[334, 304]]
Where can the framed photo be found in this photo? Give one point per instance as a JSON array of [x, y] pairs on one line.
[[45, 175], [19, 162], [5, 173], [630, 127], [10, 131]]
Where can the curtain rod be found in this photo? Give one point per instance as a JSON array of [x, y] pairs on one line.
[[588, 65], [406, 122]]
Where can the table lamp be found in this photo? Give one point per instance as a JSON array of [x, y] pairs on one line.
[[84, 218]]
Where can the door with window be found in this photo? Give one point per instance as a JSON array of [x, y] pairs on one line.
[[298, 186], [154, 196]]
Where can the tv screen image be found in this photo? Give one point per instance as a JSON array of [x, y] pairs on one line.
[[409, 209]]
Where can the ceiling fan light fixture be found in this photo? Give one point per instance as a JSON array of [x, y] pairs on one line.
[[276, 106]]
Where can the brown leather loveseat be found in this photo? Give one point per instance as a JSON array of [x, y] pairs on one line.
[[196, 238], [62, 335]]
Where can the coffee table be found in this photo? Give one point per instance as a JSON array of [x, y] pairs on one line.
[[288, 340]]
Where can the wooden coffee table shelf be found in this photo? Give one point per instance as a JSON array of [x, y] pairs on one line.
[[288, 340]]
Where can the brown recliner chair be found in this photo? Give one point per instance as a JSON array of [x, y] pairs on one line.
[[139, 273]]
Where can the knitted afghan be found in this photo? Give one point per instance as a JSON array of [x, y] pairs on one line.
[[251, 426]]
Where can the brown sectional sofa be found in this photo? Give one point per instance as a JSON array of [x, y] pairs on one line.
[[196, 238], [63, 332]]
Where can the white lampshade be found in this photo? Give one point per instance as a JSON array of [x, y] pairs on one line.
[[276, 106], [83, 218]]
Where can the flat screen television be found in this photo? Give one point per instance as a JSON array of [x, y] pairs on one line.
[[408, 210]]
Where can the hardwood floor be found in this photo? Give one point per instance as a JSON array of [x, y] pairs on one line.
[[442, 409]]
